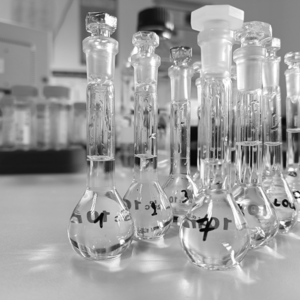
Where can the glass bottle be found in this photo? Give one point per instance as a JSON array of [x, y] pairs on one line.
[[24, 116], [274, 183], [79, 121], [60, 109], [214, 233], [150, 207], [43, 125], [292, 77], [180, 188], [248, 192], [7, 106], [100, 226]]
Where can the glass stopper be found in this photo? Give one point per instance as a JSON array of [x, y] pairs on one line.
[[292, 59], [254, 33], [94, 20], [179, 55], [145, 38]]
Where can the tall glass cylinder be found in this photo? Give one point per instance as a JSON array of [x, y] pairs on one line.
[[100, 226], [248, 193], [214, 234], [274, 183], [148, 203], [180, 188]]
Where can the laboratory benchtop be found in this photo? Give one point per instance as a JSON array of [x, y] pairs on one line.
[[37, 262]]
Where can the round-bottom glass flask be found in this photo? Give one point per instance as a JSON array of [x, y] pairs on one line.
[[214, 234]]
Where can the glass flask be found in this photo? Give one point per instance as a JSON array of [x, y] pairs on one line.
[[292, 77], [149, 206], [179, 187], [214, 233], [248, 192], [100, 226], [274, 182]]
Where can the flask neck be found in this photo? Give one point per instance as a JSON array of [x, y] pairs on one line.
[[180, 79], [101, 175], [145, 168], [145, 118], [214, 96], [180, 137]]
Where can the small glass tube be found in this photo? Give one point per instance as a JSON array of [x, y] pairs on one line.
[[100, 226], [149, 205], [248, 192], [214, 233], [179, 187], [274, 183], [292, 77]]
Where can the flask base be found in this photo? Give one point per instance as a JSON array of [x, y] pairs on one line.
[[98, 254], [259, 213]]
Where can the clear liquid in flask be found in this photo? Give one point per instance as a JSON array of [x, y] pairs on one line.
[[100, 226], [214, 234], [179, 187], [147, 202], [257, 209], [278, 191]]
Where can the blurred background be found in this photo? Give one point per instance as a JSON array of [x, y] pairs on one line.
[[43, 73]]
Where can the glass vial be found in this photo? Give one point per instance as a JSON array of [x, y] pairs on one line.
[[248, 192], [150, 207], [292, 77], [43, 125], [180, 188], [7, 106], [79, 121], [274, 183], [60, 109], [214, 233], [24, 116], [100, 226]]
